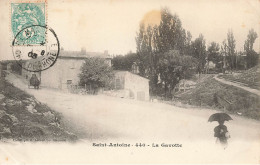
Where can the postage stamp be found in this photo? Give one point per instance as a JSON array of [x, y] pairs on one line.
[[24, 15]]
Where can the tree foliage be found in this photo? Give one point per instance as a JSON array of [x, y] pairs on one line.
[[214, 55], [252, 56], [249, 43], [96, 73], [154, 42], [124, 62], [173, 67], [214, 52], [231, 45], [199, 52], [162, 48]]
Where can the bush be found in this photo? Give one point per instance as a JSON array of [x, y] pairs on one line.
[[96, 73]]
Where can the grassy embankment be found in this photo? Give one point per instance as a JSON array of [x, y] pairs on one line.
[[213, 94], [23, 118], [250, 77]]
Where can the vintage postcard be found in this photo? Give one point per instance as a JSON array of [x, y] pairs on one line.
[[129, 82]]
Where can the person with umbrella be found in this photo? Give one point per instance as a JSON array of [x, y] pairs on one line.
[[220, 131]]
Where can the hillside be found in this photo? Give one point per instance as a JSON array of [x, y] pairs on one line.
[[23, 118], [250, 77], [211, 93]]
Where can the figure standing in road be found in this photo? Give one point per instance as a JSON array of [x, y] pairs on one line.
[[221, 131], [222, 134]]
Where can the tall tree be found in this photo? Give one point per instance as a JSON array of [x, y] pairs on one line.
[[252, 56], [213, 52], [224, 52], [148, 42], [249, 43], [172, 34], [188, 44], [199, 52], [152, 44], [166, 31], [231, 45], [141, 48]]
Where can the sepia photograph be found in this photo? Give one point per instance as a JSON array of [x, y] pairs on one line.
[[129, 82]]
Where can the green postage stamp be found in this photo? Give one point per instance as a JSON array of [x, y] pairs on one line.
[[26, 16]]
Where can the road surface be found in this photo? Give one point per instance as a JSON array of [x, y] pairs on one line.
[[99, 119]]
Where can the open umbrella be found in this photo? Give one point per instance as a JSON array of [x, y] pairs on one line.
[[219, 117]]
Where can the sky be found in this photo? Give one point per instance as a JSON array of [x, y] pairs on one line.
[[100, 25]]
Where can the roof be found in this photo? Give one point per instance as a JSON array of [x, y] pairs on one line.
[[124, 73], [81, 54]]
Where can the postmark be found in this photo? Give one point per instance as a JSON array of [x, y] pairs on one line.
[[35, 58], [24, 15]]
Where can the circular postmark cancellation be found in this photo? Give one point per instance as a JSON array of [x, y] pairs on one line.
[[36, 57]]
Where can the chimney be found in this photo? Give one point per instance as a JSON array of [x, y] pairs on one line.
[[83, 50], [106, 52]]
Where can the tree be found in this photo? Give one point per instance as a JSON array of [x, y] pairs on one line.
[[173, 67], [153, 42], [146, 48], [252, 56], [95, 73], [213, 52], [166, 31], [199, 52], [249, 43], [172, 35], [141, 48], [188, 44], [224, 52], [124, 62], [231, 45]]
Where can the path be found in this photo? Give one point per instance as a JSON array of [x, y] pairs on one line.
[[254, 91]]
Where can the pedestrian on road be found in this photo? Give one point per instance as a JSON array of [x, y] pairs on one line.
[[222, 134], [220, 131]]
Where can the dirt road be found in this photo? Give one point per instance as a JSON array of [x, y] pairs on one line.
[[98, 119]]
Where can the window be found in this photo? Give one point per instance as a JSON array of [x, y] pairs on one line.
[[69, 81], [117, 83]]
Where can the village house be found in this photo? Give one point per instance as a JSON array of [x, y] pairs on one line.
[[64, 72], [132, 85]]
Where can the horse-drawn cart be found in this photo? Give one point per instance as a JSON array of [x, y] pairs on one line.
[[34, 81]]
